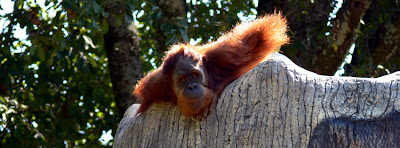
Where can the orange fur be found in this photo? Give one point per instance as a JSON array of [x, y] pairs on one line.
[[225, 60]]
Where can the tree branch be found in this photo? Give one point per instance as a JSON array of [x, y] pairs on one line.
[[344, 32]]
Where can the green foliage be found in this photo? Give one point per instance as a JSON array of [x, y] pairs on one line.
[[57, 80]]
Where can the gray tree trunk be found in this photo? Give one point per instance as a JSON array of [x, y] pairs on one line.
[[121, 43], [278, 104]]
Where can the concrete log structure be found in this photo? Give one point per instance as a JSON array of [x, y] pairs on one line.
[[278, 104]]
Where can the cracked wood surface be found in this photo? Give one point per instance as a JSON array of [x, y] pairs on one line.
[[276, 104]]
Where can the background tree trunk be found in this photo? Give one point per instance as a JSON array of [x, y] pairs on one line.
[[278, 104], [121, 43]]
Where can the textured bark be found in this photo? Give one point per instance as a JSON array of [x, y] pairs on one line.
[[348, 132], [122, 47], [277, 104]]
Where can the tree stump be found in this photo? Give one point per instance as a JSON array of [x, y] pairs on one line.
[[278, 104]]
